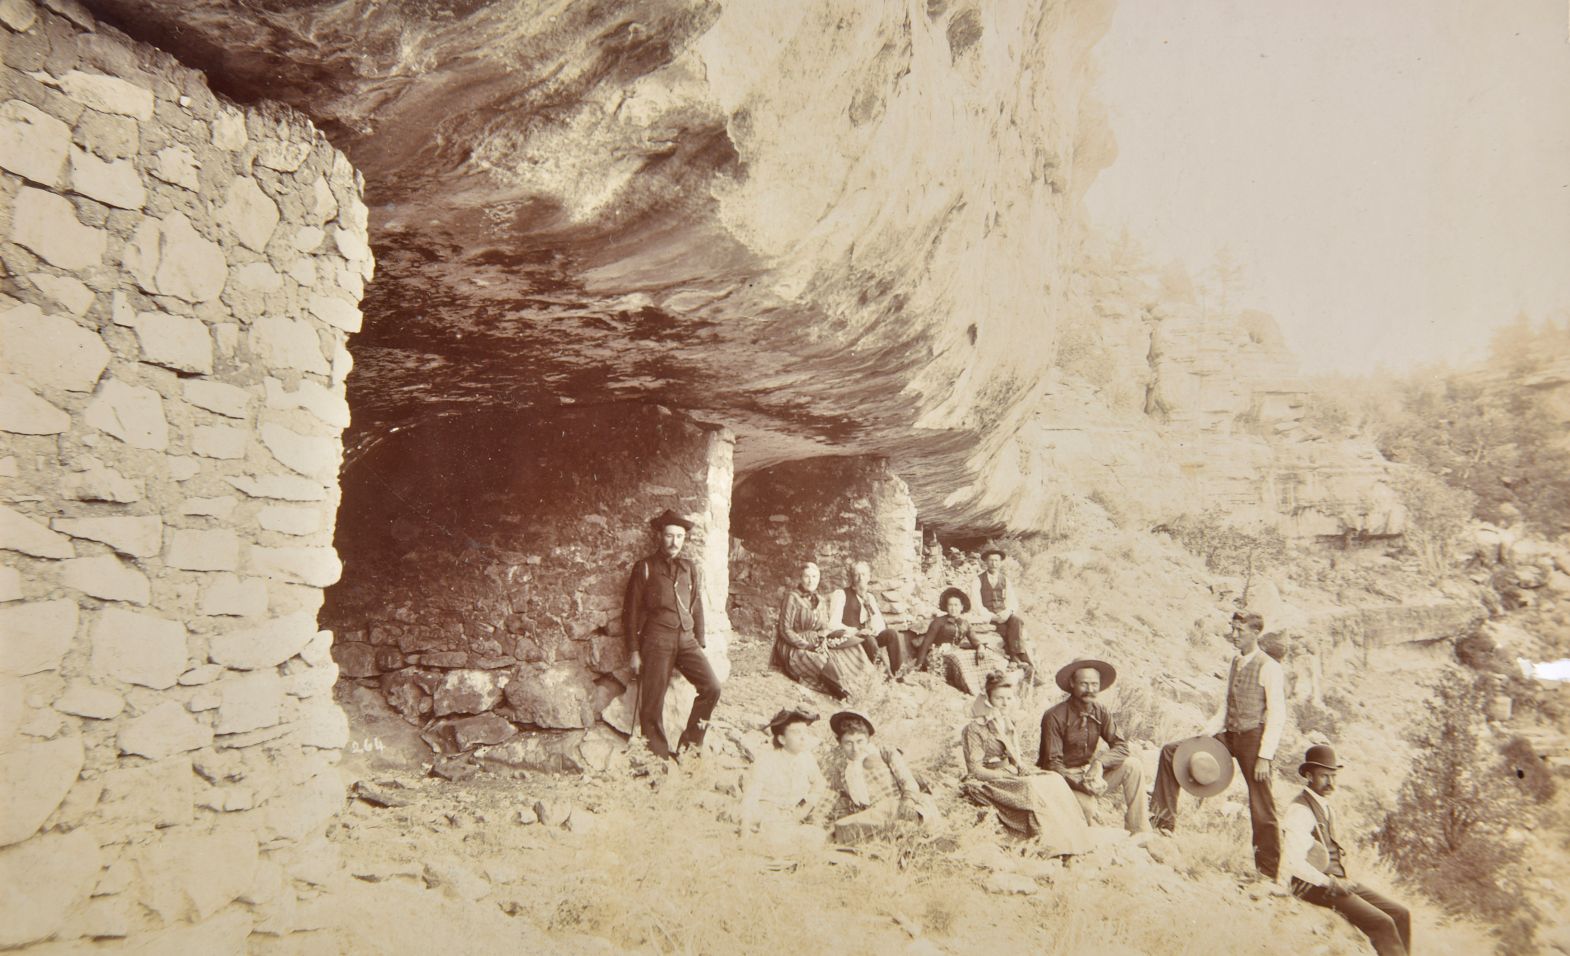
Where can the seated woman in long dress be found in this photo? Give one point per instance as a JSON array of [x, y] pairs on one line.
[[806, 653], [1032, 802], [785, 785], [872, 784], [952, 648]]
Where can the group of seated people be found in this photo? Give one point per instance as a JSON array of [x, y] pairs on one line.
[[841, 645], [1083, 756], [866, 787]]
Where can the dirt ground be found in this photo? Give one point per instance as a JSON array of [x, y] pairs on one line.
[[639, 859]]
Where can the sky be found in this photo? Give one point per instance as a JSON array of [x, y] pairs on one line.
[[1393, 175]]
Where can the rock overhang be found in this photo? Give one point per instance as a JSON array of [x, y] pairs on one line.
[[833, 229]]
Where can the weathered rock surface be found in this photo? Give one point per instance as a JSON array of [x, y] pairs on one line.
[[900, 276]]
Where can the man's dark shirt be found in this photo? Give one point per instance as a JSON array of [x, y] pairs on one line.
[[1069, 735], [665, 594]]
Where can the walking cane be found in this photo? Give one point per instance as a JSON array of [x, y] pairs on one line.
[[637, 705]]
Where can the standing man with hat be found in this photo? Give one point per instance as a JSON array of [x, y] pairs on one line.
[[995, 598], [663, 620], [1072, 731], [1248, 724], [1313, 864]]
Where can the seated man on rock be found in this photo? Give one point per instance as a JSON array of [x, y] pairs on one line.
[[1071, 734], [872, 784], [1313, 863], [853, 613], [960, 655], [995, 601]]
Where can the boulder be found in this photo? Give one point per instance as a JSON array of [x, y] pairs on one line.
[[35, 636], [34, 779], [557, 696], [44, 880], [138, 647], [468, 691], [165, 730]]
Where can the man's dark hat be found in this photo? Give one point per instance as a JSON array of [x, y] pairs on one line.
[[791, 715], [1319, 755], [668, 518], [997, 551], [943, 599], [1202, 766], [1107, 671], [837, 722]]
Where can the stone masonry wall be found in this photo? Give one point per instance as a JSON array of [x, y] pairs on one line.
[[180, 279], [827, 510], [486, 558]]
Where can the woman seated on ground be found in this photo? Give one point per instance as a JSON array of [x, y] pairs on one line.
[[873, 786], [785, 785], [952, 648], [1032, 802], [806, 653]]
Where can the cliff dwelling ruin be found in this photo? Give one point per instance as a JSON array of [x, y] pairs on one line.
[[354, 344]]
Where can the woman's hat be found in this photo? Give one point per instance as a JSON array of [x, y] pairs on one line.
[[1203, 766], [667, 518], [1319, 755], [838, 721], [791, 715], [1107, 671], [996, 679], [943, 599]]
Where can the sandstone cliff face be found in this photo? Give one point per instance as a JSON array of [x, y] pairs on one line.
[[825, 224]]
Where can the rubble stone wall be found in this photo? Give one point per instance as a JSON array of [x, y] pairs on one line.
[[486, 558], [827, 510], [180, 278]]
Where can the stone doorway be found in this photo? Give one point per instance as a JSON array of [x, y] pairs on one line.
[[485, 558]]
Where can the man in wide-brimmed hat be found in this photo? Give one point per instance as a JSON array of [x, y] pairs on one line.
[[1072, 732], [995, 598], [1248, 724], [1313, 863], [663, 620]]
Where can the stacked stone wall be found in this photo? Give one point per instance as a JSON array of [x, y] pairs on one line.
[[486, 558], [180, 278], [827, 510]]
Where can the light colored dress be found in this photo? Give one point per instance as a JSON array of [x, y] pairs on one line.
[[1034, 803], [783, 789], [838, 671]]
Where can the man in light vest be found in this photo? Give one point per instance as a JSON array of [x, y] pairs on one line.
[[1313, 863], [994, 600], [1249, 724]]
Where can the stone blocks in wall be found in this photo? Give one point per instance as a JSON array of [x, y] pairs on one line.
[[830, 511], [171, 436]]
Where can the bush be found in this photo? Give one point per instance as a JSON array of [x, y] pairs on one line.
[[1449, 833], [1438, 516], [1312, 718], [1227, 547], [1532, 778]]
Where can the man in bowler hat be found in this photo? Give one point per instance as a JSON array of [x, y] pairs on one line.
[[1313, 864], [662, 617]]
